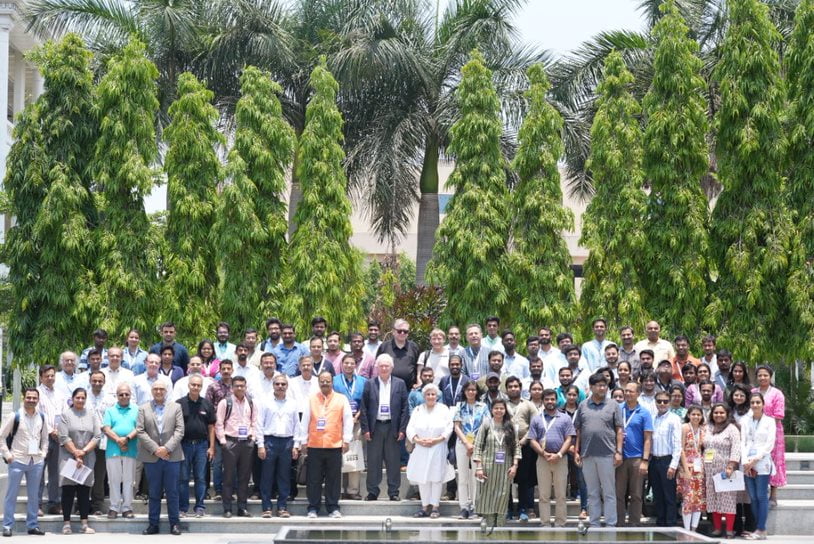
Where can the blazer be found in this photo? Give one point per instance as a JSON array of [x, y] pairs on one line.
[[445, 386], [398, 406], [149, 438]]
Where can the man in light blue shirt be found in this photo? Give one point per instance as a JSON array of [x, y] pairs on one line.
[[492, 340], [594, 350], [288, 352], [514, 363]]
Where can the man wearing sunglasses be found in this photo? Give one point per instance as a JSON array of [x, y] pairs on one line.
[[404, 352], [666, 454], [119, 425]]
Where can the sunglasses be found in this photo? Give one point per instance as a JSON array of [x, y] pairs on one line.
[[662, 401], [123, 394], [403, 331]]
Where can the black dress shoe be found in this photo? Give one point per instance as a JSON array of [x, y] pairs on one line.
[[36, 531], [394, 498], [175, 530], [150, 530], [371, 497], [241, 513], [6, 531]]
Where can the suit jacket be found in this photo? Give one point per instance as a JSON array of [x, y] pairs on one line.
[[446, 390], [149, 438], [398, 405]]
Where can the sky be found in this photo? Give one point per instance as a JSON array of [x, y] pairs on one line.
[[557, 25]]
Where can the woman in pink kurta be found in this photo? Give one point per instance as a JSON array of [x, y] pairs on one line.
[[775, 406]]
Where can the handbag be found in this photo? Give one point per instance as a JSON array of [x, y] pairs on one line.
[[353, 460], [301, 469]]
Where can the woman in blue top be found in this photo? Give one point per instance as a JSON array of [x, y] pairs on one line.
[[469, 416]]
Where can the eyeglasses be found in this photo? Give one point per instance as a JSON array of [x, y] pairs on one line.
[[123, 394], [280, 384], [662, 401], [403, 331]]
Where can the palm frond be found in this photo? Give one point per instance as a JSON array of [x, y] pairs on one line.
[[98, 21]]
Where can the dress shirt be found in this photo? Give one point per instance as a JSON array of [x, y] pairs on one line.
[[217, 391], [181, 357], [594, 353], [278, 418], [384, 399], [250, 372], [158, 410], [114, 377], [516, 365], [244, 414], [476, 364], [51, 404], [134, 361], [31, 433], [288, 358], [337, 410], [492, 344], [712, 363], [225, 350], [143, 387], [667, 437], [757, 442], [68, 383], [662, 349], [300, 390]]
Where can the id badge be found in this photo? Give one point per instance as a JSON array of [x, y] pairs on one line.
[[242, 432], [709, 455], [475, 375], [697, 466], [500, 457], [321, 423], [384, 410], [354, 406], [470, 437], [34, 446], [542, 444], [752, 452]]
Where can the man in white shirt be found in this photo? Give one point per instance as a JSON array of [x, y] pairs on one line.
[[115, 373], [181, 387], [244, 367], [514, 363], [263, 389], [25, 458], [224, 349], [546, 350], [373, 342], [300, 388], [594, 350], [492, 339], [99, 399], [143, 383], [250, 341], [51, 405], [278, 422], [68, 379], [662, 349], [454, 346]]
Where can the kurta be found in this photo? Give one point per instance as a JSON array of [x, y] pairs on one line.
[[493, 494], [726, 447], [427, 465], [775, 406], [80, 427], [692, 489]]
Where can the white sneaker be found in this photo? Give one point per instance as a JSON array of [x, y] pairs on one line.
[[336, 514], [312, 515]]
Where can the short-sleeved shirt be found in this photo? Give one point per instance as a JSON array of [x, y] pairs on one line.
[[122, 421], [198, 415], [405, 359], [597, 423], [471, 417], [559, 426], [635, 423]]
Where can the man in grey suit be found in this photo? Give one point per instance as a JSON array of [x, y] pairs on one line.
[[160, 428]]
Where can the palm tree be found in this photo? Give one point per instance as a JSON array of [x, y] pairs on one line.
[[398, 63], [576, 76]]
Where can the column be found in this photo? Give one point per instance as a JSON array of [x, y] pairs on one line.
[[39, 84], [6, 23], [19, 84]]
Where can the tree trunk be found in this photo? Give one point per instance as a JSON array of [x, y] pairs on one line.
[[295, 196], [428, 209]]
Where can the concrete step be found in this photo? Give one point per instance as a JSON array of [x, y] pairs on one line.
[[791, 517], [799, 461], [381, 508], [800, 477], [796, 492]]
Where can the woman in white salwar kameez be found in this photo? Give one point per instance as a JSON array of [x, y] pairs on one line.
[[429, 429]]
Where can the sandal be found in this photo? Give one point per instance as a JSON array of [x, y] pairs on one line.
[[85, 530], [267, 514], [421, 514], [66, 530], [435, 513], [284, 514]]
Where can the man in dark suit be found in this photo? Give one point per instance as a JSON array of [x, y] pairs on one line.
[[160, 428], [452, 386], [383, 424]]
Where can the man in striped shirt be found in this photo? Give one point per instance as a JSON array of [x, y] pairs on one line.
[[664, 459]]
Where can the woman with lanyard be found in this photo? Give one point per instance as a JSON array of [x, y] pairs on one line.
[[739, 404], [722, 452], [691, 476], [495, 457], [469, 416], [211, 364], [351, 385], [79, 433], [575, 479], [774, 407], [758, 439]]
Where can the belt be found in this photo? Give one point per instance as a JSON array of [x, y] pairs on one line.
[[661, 457], [277, 437], [195, 441], [236, 439], [383, 420]]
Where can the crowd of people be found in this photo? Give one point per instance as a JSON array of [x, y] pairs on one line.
[[608, 423]]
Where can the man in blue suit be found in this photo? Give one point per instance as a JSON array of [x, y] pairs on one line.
[[384, 423]]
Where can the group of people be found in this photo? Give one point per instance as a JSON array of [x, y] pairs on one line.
[[603, 421]]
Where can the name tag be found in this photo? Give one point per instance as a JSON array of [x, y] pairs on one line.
[[475, 375], [321, 422], [354, 406], [697, 466], [384, 410], [470, 437], [242, 432], [500, 457], [202, 412], [752, 452], [709, 455]]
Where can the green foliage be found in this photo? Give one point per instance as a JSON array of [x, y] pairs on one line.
[[675, 160], [404, 281], [193, 173], [126, 108], [323, 273], [540, 260], [421, 306], [469, 257], [613, 223], [265, 142], [752, 229], [47, 191], [800, 166]]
